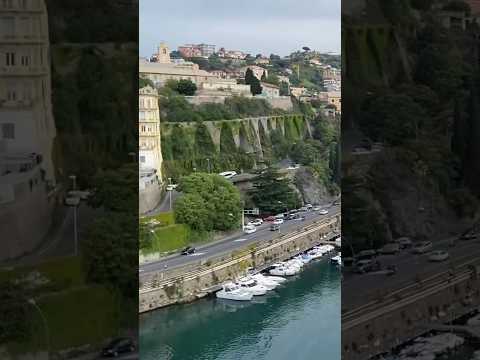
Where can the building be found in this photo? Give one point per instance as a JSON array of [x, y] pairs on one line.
[[164, 69], [223, 87], [197, 50], [270, 90], [298, 91], [258, 71], [231, 54], [150, 153], [332, 98], [27, 127], [262, 61]]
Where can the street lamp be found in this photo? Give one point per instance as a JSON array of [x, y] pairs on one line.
[[170, 192], [208, 166], [75, 231], [45, 324]]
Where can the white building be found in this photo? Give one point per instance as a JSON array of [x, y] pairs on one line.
[[27, 127], [270, 90], [150, 149]]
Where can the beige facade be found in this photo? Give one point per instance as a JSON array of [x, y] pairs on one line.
[[150, 149], [297, 91], [27, 127], [270, 90], [258, 71], [164, 69]]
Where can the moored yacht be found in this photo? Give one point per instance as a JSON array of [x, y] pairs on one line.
[[284, 270], [262, 280], [233, 291], [252, 286]]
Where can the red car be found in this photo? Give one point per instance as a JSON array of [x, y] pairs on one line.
[[270, 218]]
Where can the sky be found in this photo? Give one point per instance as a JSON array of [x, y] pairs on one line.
[[253, 26]]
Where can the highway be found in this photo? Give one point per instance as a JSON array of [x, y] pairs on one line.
[[236, 241], [361, 289]]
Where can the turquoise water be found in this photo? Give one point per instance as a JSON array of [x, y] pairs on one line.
[[299, 320]]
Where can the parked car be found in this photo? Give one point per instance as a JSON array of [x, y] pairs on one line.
[[317, 208], [303, 208], [72, 201], [119, 346], [309, 206], [188, 250], [390, 248], [323, 212], [256, 222], [280, 216], [278, 221], [422, 247], [366, 254], [438, 255], [172, 187], [274, 227], [249, 229], [367, 265], [228, 174], [404, 242], [269, 218]]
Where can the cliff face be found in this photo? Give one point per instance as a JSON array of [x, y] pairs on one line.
[[311, 187]]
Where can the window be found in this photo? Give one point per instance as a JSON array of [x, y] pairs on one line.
[[25, 60], [8, 131], [10, 59], [7, 27]]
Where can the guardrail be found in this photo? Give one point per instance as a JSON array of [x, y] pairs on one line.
[[202, 267]]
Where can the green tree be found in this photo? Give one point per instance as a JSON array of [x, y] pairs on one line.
[[210, 202], [273, 194], [143, 82], [306, 152], [251, 79], [284, 91], [186, 87]]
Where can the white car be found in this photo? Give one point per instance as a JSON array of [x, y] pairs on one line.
[[317, 208], [82, 194], [323, 212], [171, 187], [228, 174], [280, 216], [72, 201], [256, 222], [249, 229], [278, 221], [422, 247], [438, 255], [294, 167]]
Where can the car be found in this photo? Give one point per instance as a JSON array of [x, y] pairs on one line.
[[293, 216], [171, 187], [274, 227], [336, 202], [421, 247], [390, 248], [119, 346], [82, 194], [438, 255], [294, 167], [256, 222], [228, 174], [278, 221], [366, 254], [323, 212], [280, 216], [367, 265], [249, 229], [317, 208], [72, 201], [188, 250], [309, 206], [469, 236], [303, 209], [404, 242], [270, 218]]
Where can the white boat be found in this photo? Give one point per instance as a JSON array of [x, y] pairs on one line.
[[277, 279], [337, 259], [252, 286], [233, 291], [295, 263], [262, 280], [315, 253], [283, 270]]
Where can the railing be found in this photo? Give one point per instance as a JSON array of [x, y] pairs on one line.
[[198, 268]]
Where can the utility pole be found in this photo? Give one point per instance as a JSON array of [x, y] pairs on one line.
[[170, 192]]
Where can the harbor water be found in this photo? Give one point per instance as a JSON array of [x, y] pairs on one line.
[[298, 320]]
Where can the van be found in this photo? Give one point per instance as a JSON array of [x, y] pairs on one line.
[[274, 227]]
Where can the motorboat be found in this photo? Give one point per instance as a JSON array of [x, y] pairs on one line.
[[231, 291], [296, 263], [276, 279], [315, 253], [337, 259], [284, 270], [262, 280], [252, 286]]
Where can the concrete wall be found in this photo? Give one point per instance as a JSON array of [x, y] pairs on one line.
[[149, 198], [282, 102], [191, 282]]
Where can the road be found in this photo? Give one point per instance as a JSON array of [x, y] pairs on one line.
[[236, 241], [358, 289]]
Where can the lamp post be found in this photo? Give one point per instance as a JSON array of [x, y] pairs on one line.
[[208, 166], [170, 192], [45, 324], [75, 231]]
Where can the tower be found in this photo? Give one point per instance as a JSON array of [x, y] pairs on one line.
[[163, 54]]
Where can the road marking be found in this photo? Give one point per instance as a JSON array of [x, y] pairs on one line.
[[242, 239], [197, 254]]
